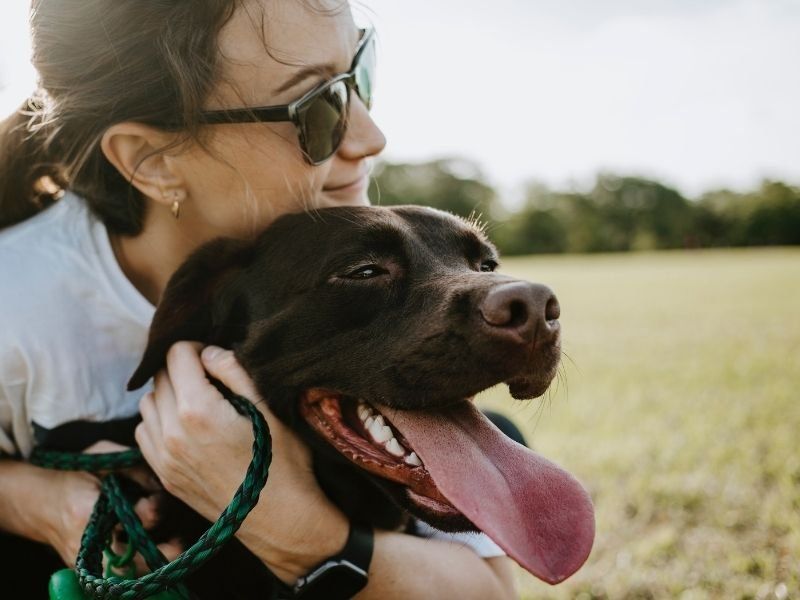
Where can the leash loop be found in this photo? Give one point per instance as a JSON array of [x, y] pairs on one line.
[[113, 507]]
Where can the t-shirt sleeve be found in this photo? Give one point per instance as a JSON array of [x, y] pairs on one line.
[[7, 446], [15, 438], [480, 543]]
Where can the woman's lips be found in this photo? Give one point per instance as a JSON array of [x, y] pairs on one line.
[[354, 186]]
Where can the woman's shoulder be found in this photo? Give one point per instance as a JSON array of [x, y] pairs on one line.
[[63, 226], [39, 254], [52, 266], [59, 279]]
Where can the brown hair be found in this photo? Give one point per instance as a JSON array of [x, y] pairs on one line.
[[102, 62]]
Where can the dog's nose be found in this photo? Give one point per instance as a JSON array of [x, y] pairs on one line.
[[523, 311]]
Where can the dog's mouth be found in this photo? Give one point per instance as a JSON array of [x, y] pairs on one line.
[[363, 435], [457, 467]]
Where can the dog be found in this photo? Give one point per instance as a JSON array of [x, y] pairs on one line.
[[368, 330]]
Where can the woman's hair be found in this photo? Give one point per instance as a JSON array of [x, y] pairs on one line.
[[102, 62]]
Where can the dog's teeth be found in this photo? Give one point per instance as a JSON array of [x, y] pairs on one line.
[[368, 423], [363, 411], [380, 421], [393, 447], [413, 460], [380, 433]]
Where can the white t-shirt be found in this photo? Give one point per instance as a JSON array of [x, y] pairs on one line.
[[72, 326], [72, 331]]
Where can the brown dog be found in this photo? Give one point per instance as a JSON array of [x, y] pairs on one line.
[[368, 331]]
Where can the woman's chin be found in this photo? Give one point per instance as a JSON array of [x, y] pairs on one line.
[[335, 198], [354, 194]]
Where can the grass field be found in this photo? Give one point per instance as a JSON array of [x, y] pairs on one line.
[[680, 412]]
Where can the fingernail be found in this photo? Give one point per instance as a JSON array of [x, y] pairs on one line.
[[211, 352]]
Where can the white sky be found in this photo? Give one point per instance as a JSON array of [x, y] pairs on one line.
[[699, 93]]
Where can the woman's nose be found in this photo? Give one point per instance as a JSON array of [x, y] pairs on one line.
[[363, 137]]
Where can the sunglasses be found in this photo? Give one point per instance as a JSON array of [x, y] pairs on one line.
[[321, 115]]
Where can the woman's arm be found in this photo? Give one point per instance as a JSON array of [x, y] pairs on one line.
[[24, 499], [404, 566], [200, 447], [53, 507]]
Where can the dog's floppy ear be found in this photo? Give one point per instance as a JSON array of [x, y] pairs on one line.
[[196, 298]]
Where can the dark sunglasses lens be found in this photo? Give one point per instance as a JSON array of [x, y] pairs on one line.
[[323, 122], [365, 74]]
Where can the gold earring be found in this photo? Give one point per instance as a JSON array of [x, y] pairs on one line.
[[177, 196]]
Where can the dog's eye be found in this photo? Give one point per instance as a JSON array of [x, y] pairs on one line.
[[488, 266], [367, 272]]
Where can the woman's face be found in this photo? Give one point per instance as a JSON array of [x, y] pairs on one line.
[[252, 173]]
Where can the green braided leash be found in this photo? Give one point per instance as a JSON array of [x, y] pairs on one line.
[[74, 461], [113, 507]]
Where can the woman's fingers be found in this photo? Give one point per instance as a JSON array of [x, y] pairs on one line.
[[222, 365], [196, 442], [193, 439], [105, 447], [184, 367], [144, 477], [187, 370], [200, 407], [140, 564], [172, 549], [145, 433], [147, 509], [165, 401], [180, 421], [141, 475], [149, 412]]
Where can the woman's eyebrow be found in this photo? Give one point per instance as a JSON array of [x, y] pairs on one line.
[[328, 70]]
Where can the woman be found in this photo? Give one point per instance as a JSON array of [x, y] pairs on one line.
[[123, 122]]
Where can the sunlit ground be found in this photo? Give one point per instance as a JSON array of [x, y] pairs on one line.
[[680, 411]]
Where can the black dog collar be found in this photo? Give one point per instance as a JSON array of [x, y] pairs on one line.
[[342, 575]]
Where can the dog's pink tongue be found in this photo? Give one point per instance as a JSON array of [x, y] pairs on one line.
[[534, 510]]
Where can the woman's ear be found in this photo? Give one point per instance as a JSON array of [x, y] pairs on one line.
[[137, 152]]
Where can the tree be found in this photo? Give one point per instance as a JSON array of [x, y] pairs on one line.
[[642, 214], [616, 214], [773, 215], [766, 217]]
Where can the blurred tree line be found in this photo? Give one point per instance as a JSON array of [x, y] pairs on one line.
[[617, 214]]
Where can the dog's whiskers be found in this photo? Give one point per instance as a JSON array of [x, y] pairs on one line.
[[569, 358]]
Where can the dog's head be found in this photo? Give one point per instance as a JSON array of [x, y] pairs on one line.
[[369, 330]]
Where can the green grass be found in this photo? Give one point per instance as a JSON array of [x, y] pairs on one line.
[[679, 410]]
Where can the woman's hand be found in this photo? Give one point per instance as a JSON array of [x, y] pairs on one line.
[[199, 447], [76, 494]]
